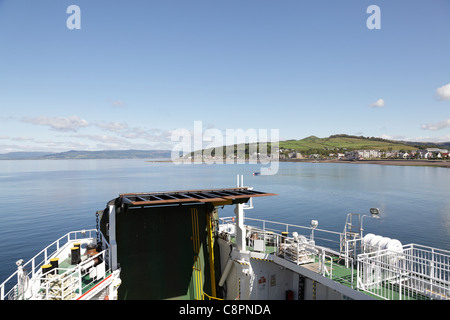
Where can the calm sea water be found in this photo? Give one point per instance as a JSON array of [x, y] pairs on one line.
[[42, 200]]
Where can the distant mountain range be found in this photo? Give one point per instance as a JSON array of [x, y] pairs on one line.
[[73, 154]]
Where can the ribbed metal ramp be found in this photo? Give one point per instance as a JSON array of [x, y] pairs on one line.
[[191, 196]]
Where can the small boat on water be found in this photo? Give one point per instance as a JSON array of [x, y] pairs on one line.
[[174, 245]]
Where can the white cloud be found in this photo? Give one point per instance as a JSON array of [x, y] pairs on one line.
[[437, 126], [116, 103], [16, 138], [392, 137], [72, 123], [123, 130], [102, 138], [378, 104], [443, 92], [112, 126], [149, 135], [444, 138], [437, 139]]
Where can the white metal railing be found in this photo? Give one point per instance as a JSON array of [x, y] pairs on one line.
[[330, 238], [351, 249], [419, 272], [69, 283], [295, 248], [14, 284]]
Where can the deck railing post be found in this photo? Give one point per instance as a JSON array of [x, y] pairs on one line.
[[112, 236], [33, 266], [240, 230]]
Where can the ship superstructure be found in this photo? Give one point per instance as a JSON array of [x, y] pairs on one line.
[[173, 245]]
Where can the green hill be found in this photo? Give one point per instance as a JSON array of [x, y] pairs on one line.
[[339, 143], [342, 142]]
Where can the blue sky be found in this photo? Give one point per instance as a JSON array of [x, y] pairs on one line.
[[138, 70]]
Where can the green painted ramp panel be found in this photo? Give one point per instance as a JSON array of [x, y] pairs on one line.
[[157, 254]]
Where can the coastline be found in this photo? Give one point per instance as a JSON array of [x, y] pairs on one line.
[[389, 162]]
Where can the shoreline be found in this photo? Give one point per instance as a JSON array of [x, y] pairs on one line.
[[391, 162]]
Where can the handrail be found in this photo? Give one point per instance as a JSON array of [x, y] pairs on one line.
[[210, 297], [44, 255], [415, 273], [418, 272], [290, 248], [287, 226], [69, 283]]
